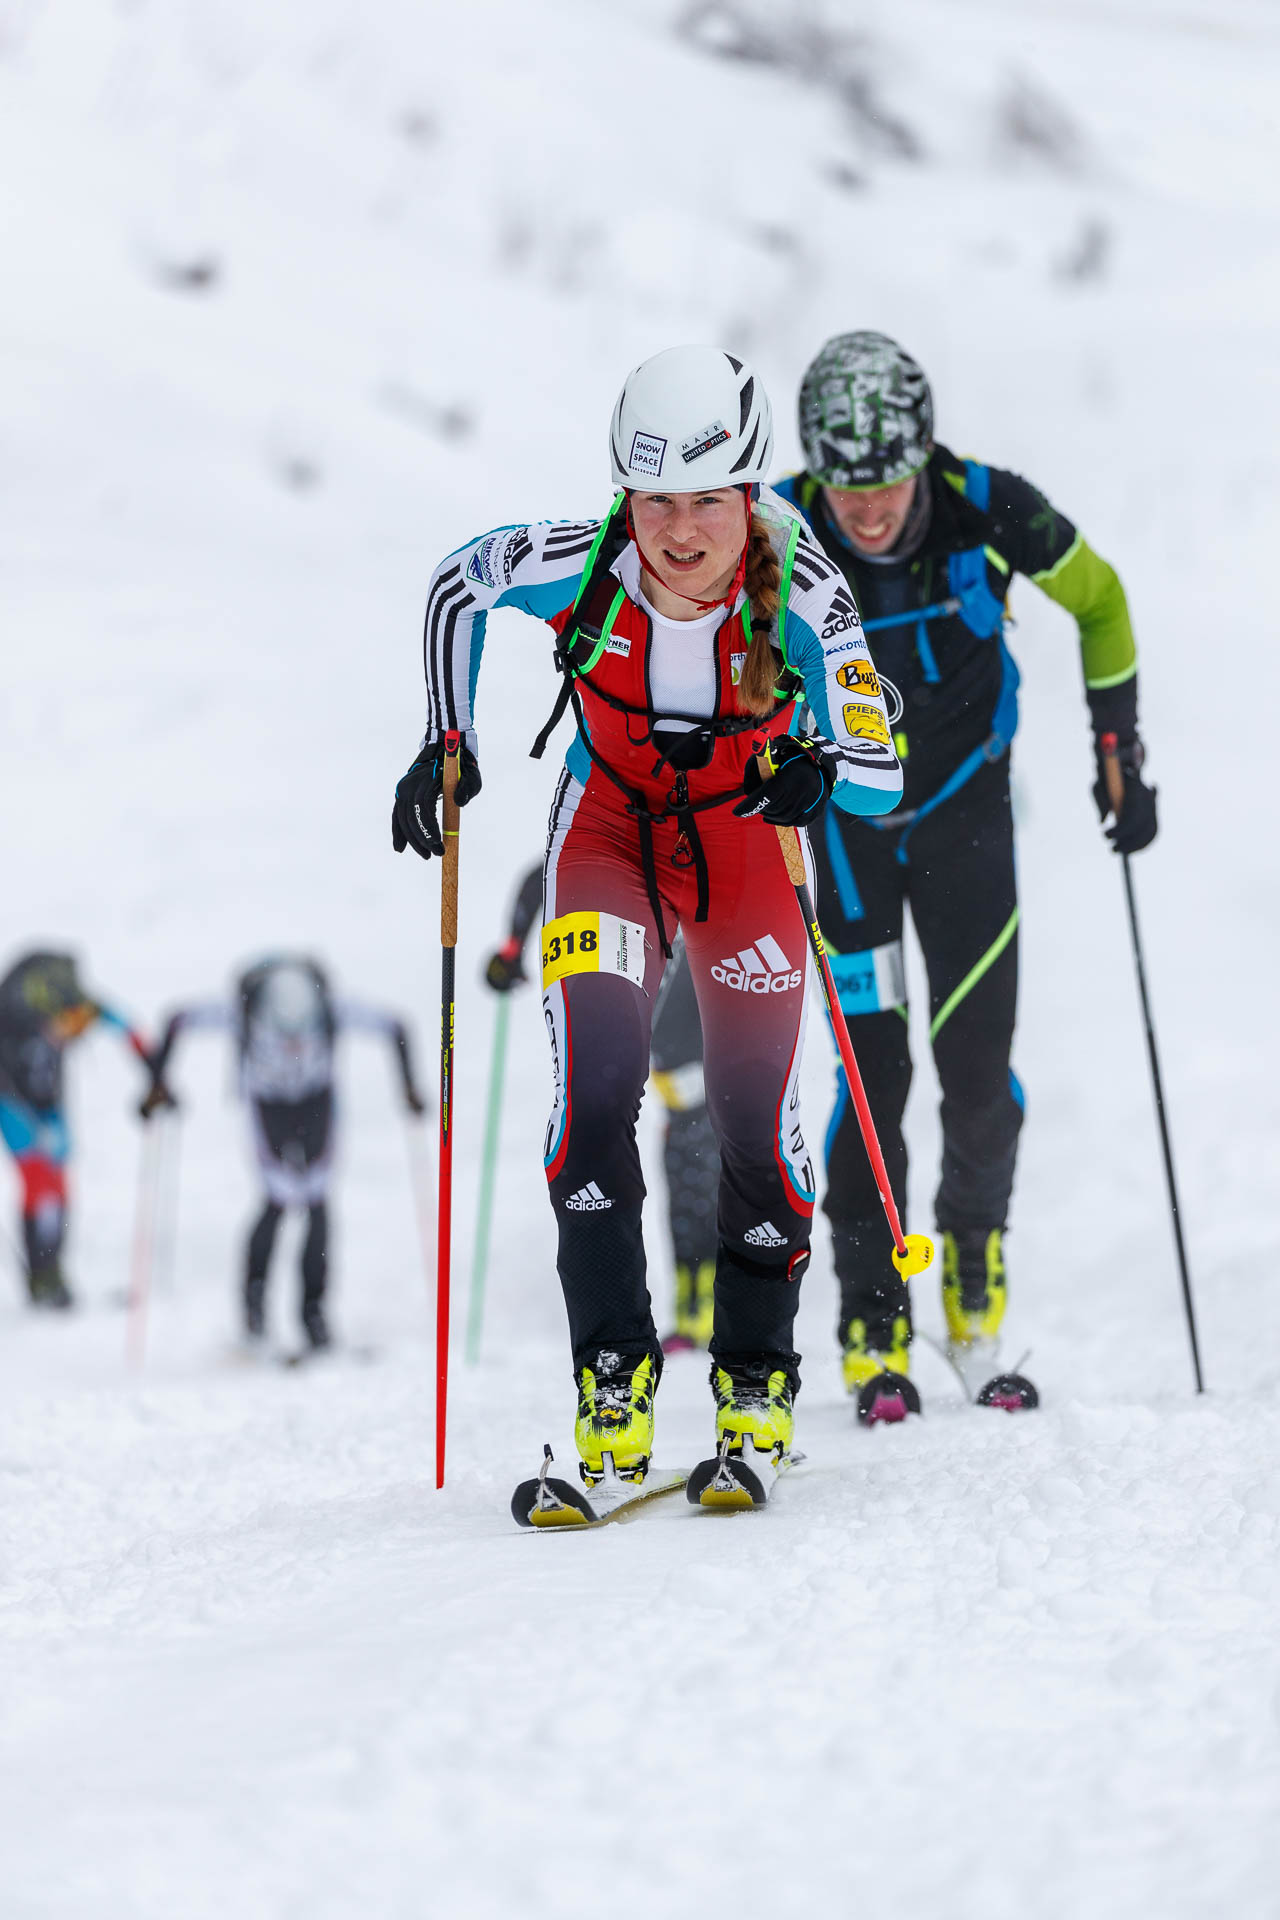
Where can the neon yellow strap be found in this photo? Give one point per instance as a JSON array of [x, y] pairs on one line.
[[975, 974], [605, 631]]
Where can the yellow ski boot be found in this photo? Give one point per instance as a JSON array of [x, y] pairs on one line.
[[869, 1349], [753, 1403], [614, 1428], [973, 1286], [695, 1307]]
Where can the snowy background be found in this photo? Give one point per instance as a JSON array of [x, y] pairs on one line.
[[295, 298]]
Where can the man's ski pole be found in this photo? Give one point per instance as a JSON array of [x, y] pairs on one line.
[[444, 1218], [484, 1203], [146, 1207], [912, 1252], [1115, 793]]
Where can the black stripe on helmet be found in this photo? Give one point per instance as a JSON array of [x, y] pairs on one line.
[[744, 458]]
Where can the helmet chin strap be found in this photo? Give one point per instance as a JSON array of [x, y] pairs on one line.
[[740, 572]]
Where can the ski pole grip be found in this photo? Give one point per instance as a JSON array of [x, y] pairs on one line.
[[788, 838], [449, 823], [1112, 772]]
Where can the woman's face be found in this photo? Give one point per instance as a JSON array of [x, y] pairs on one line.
[[872, 519], [692, 542]]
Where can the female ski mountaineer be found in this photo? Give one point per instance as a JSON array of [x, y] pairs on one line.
[[929, 544], [689, 621]]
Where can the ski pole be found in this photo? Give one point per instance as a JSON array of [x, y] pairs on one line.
[[144, 1233], [484, 1202], [444, 1216], [912, 1252], [1115, 793], [167, 1205]]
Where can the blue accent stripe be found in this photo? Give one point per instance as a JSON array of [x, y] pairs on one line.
[[842, 869], [977, 484], [1016, 1089], [838, 1112]]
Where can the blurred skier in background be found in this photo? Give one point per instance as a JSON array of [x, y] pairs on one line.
[[689, 622], [43, 1008], [285, 1021], [690, 1156], [929, 544]]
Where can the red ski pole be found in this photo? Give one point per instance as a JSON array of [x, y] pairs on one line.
[[444, 1218], [912, 1252]]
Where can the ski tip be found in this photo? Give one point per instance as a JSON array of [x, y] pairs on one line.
[[726, 1485], [544, 1503], [886, 1399], [1011, 1392]]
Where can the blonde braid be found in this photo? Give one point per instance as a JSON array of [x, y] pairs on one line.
[[764, 586]]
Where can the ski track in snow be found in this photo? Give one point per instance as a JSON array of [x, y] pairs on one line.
[[978, 1667]]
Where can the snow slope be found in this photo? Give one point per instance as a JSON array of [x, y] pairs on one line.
[[297, 298]]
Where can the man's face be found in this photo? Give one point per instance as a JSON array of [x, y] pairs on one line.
[[872, 519]]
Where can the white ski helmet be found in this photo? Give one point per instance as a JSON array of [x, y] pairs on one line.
[[690, 419], [292, 1000]]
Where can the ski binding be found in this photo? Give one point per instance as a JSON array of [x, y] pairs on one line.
[[549, 1504]]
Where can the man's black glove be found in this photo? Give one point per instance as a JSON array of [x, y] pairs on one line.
[[414, 818], [1135, 823], [505, 967], [415, 1102], [801, 784], [157, 1099]]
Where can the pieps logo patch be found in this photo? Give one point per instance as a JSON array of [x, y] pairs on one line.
[[865, 723], [647, 455], [713, 435]]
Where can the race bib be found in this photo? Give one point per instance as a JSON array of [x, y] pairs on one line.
[[592, 943]]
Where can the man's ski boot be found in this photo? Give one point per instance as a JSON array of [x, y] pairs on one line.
[[755, 1422], [48, 1290], [316, 1327], [973, 1300], [614, 1428], [695, 1307], [875, 1361]]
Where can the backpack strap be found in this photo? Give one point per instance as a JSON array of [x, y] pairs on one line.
[[605, 548]]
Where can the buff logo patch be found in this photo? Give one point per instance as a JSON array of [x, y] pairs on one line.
[[713, 435], [865, 723], [860, 677], [647, 455]]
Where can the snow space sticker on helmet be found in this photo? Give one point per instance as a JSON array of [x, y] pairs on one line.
[[703, 440], [647, 453], [866, 413]]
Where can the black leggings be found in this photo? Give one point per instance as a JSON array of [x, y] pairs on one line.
[[959, 879]]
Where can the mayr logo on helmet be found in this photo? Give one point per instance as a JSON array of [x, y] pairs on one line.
[[647, 454], [760, 968], [703, 440]]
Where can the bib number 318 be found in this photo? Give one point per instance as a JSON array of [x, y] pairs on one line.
[[592, 943]]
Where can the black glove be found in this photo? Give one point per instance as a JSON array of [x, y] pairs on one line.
[[1135, 824], [801, 785], [157, 1099], [414, 819], [505, 968], [415, 1102]]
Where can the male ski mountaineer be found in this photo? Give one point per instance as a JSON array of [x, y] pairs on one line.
[[286, 1021], [929, 544]]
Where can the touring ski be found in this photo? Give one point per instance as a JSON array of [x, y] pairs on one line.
[[986, 1384]]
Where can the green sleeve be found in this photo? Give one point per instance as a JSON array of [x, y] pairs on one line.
[[1090, 590]]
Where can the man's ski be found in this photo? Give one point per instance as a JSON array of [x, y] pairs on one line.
[[551, 1505], [736, 1482], [985, 1384]]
